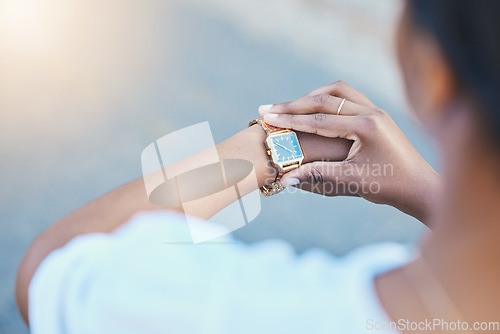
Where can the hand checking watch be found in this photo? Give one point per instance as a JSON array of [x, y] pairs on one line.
[[284, 150]]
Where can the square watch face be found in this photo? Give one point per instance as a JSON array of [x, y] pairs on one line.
[[285, 147]]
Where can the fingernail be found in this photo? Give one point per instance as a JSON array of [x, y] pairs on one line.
[[290, 182], [271, 116], [265, 107]]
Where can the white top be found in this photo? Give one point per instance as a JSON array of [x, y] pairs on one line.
[[147, 277]]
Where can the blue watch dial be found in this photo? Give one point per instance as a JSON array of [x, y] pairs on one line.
[[286, 147]]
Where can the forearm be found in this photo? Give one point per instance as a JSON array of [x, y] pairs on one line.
[[111, 210], [116, 207]]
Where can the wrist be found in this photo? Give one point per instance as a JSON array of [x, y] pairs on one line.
[[432, 194], [248, 144], [424, 197], [264, 169]]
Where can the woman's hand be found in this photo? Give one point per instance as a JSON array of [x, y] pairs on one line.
[[382, 165]]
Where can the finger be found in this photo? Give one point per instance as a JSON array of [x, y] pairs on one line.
[[319, 147], [316, 172], [343, 90], [326, 189], [319, 124], [323, 103]]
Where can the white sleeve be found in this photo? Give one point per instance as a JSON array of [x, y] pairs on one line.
[[146, 277]]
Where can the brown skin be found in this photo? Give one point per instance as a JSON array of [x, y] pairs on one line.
[[463, 251], [406, 180], [462, 207]]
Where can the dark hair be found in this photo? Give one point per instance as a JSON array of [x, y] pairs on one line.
[[469, 34]]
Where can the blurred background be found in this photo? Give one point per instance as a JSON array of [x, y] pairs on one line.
[[86, 85]]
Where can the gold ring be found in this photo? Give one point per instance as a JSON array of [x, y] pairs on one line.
[[340, 106]]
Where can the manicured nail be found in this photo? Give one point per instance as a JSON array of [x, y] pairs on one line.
[[290, 182], [271, 116], [265, 108]]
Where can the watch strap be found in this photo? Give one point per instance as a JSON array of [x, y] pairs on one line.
[[267, 127], [275, 187], [271, 189]]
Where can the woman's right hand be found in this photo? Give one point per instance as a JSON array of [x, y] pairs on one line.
[[382, 165]]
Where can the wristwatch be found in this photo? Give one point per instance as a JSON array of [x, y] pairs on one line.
[[284, 150]]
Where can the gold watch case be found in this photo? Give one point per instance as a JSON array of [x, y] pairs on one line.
[[288, 164]]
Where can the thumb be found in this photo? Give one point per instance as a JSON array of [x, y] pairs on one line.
[[316, 173]]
